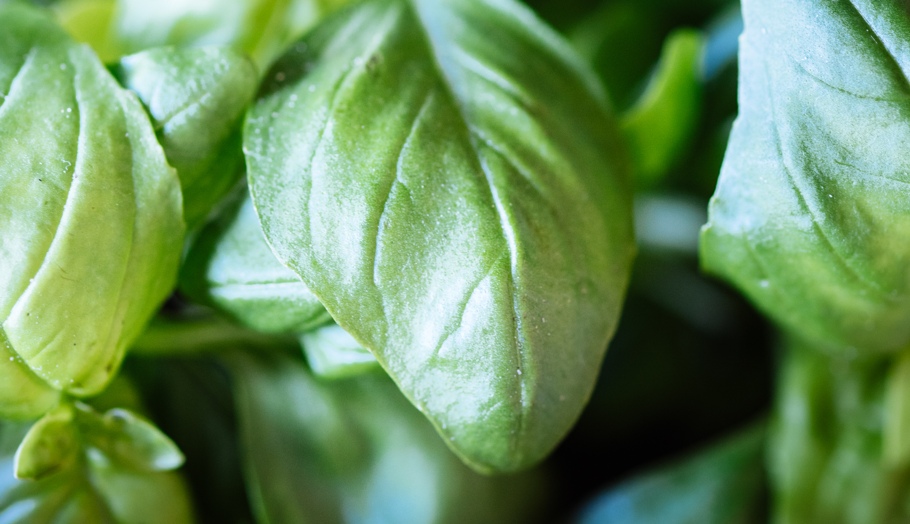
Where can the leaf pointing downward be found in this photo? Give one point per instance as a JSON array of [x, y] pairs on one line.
[[444, 176], [811, 216]]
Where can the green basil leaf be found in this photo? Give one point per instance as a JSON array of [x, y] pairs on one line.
[[333, 353], [50, 445], [232, 267], [196, 98], [354, 450], [23, 395], [82, 491], [446, 179], [809, 218], [90, 211], [662, 123], [720, 485], [122, 438], [260, 28], [826, 446]]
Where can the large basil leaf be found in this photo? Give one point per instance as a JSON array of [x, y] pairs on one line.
[[232, 267], [720, 485], [811, 217], [353, 451], [90, 215], [446, 178], [826, 448], [195, 98]]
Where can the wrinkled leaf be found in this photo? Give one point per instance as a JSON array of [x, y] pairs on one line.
[[662, 123], [352, 451], [720, 485], [196, 98], [333, 353], [445, 177], [810, 218], [91, 213], [232, 267]]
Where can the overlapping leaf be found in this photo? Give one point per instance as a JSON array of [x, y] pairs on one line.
[[353, 450], [90, 215], [232, 267], [446, 178], [811, 218], [196, 98]]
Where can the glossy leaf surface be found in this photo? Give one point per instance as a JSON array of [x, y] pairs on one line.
[[720, 485], [352, 451], [195, 98], [811, 217], [232, 267], [446, 178], [90, 215]]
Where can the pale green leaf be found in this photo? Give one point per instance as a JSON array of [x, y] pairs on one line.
[[91, 213], [445, 177], [79, 490], [50, 445], [196, 98], [232, 267], [333, 353], [121, 439], [811, 218]]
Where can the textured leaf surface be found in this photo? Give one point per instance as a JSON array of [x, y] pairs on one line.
[[811, 218], [77, 164], [232, 267], [196, 98], [90, 213], [354, 450], [446, 178]]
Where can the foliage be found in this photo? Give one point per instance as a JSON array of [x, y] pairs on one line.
[[289, 261]]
